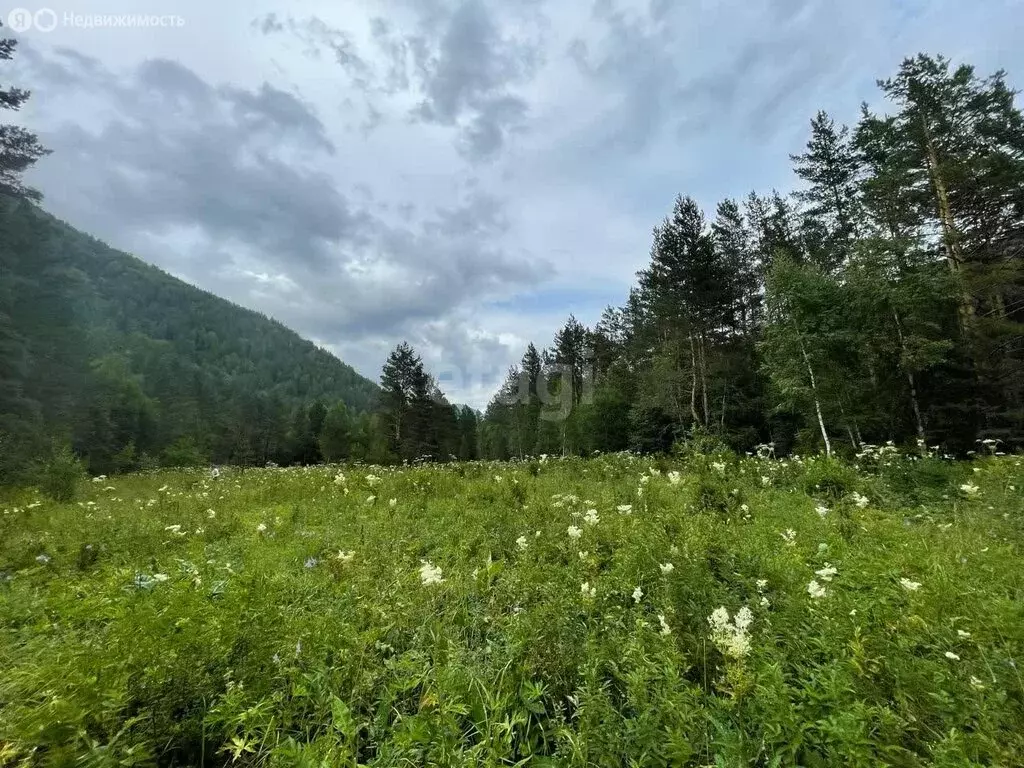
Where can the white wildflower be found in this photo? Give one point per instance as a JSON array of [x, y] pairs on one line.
[[588, 592], [969, 488], [430, 573], [762, 584], [732, 638], [392, 503], [674, 478], [910, 586], [789, 536], [765, 480], [574, 532], [344, 556], [372, 480], [522, 543], [43, 559], [666, 568], [952, 656], [962, 634], [370, 499], [261, 528], [816, 590], [826, 573], [211, 514], [637, 595], [591, 518], [339, 479], [665, 628], [860, 501], [719, 466], [822, 510], [625, 508], [160, 577]]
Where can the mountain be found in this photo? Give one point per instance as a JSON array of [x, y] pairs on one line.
[[132, 366]]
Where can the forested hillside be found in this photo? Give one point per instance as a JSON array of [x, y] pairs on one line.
[[881, 301], [132, 366]]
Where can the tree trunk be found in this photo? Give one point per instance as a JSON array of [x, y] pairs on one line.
[[918, 421], [693, 383], [954, 256], [704, 380], [814, 391]]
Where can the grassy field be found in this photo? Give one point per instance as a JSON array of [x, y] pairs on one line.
[[617, 611]]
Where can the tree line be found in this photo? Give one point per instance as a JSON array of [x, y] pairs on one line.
[[882, 300]]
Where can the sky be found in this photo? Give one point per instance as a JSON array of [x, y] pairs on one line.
[[460, 174]]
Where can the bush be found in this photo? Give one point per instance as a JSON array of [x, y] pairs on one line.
[[61, 475]]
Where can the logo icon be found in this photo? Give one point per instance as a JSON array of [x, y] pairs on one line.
[[21, 20]]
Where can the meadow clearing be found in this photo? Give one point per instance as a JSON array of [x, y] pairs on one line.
[[613, 611]]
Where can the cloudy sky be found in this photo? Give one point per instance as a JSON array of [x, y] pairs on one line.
[[462, 174]]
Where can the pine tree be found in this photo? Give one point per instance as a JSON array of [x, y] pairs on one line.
[[19, 149]]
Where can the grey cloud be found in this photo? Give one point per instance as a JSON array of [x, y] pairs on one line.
[[666, 87], [177, 152], [458, 58]]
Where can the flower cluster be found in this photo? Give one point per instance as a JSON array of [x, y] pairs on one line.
[[731, 637]]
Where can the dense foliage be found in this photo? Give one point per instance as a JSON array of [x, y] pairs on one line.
[[884, 300], [132, 366], [601, 612]]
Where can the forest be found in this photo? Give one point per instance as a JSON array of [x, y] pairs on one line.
[[880, 301]]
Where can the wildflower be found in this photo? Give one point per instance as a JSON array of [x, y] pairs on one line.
[[789, 536], [591, 518], [625, 508], [159, 577], [311, 562], [339, 479], [951, 656], [261, 528], [744, 508], [214, 473], [731, 637], [667, 568], [430, 573], [211, 514], [765, 480], [816, 590], [521, 543], [574, 532], [345, 557], [588, 592], [372, 480], [822, 510], [969, 488], [826, 573], [583, 554], [962, 634], [637, 595], [910, 586], [860, 501], [719, 466], [392, 503], [977, 683], [665, 628], [200, 531], [674, 478], [762, 584], [370, 499], [43, 559]]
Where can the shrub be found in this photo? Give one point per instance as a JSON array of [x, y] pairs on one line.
[[60, 476]]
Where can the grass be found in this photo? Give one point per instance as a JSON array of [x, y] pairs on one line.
[[281, 617]]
